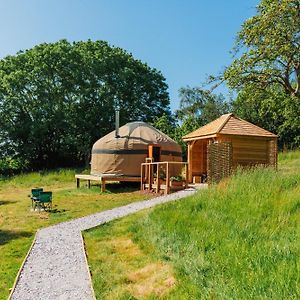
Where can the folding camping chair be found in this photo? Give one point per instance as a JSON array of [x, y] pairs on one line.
[[44, 201], [35, 193]]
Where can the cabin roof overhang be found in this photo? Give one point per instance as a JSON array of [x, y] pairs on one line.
[[229, 125], [203, 137]]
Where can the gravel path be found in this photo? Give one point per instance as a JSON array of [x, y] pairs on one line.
[[56, 267]]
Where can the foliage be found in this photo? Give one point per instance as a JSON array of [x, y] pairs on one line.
[[162, 173], [199, 107], [176, 178], [10, 166], [269, 44], [273, 110], [57, 99], [217, 249], [167, 124], [18, 223]]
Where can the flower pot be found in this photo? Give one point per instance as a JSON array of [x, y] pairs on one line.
[[176, 183]]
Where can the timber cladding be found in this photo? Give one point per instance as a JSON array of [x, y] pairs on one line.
[[248, 151], [219, 161]]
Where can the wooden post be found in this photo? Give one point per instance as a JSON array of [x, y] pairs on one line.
[[190, 160], [89, 184], [167, 180], [102, 185], [157, 179], [276, 154], [151, 177], [78, 183], [186, 176], [142, 177]]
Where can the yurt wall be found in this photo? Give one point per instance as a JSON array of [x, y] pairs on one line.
[[123, 155]]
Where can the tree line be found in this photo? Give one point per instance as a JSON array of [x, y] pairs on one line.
[[57, 99]]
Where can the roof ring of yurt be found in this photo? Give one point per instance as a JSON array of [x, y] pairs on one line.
[[122, 151]]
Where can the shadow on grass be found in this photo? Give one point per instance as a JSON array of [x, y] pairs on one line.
[[122, 187], [8, 235], [7, 202], [112, 187], [57, 211]]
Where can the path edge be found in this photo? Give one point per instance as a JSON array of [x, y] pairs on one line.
[[21, 268], [87, 265], [82, 239]]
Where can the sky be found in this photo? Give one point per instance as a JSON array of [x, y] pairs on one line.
[[186, 40]]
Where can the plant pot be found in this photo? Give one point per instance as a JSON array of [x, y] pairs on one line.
[[176, 183], [161, 181]]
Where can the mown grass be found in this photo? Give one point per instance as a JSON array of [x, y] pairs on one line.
[[237, 240], [18, 223]]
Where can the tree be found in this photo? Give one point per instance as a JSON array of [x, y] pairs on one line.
[[166, 124], [269, 49], [57, 99], [273, 110], [199, 107]]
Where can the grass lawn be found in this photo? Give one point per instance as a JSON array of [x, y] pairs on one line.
[[18, 223], [237, 240]]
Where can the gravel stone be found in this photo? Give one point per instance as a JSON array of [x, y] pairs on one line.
[[56, 268]]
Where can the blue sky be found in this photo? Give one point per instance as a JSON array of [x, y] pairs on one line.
[[185, 40]]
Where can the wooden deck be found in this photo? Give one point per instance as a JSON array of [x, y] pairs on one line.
[[103, 179]]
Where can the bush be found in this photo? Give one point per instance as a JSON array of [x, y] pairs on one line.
[[10, 166]]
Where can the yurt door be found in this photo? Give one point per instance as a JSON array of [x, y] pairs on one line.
[[154, 152]]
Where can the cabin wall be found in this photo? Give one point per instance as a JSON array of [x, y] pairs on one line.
[[248, 151]]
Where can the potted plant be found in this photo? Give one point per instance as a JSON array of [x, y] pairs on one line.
[[162, 176], [176, 180]]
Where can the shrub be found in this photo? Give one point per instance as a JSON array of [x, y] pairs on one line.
[[10, 166]]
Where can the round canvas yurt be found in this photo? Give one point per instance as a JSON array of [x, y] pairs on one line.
[[122, 154]]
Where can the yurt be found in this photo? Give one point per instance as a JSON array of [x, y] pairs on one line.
[[122, 151]]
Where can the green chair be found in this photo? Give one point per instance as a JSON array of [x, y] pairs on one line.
[[35, 193], [44, 200]]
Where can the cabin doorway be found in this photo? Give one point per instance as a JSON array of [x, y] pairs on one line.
[[197, 157]]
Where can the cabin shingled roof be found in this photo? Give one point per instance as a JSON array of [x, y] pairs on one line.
[[228, 124]]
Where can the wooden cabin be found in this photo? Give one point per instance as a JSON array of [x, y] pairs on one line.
[[217, 148]]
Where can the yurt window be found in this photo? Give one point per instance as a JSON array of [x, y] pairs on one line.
[[154, 152]]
